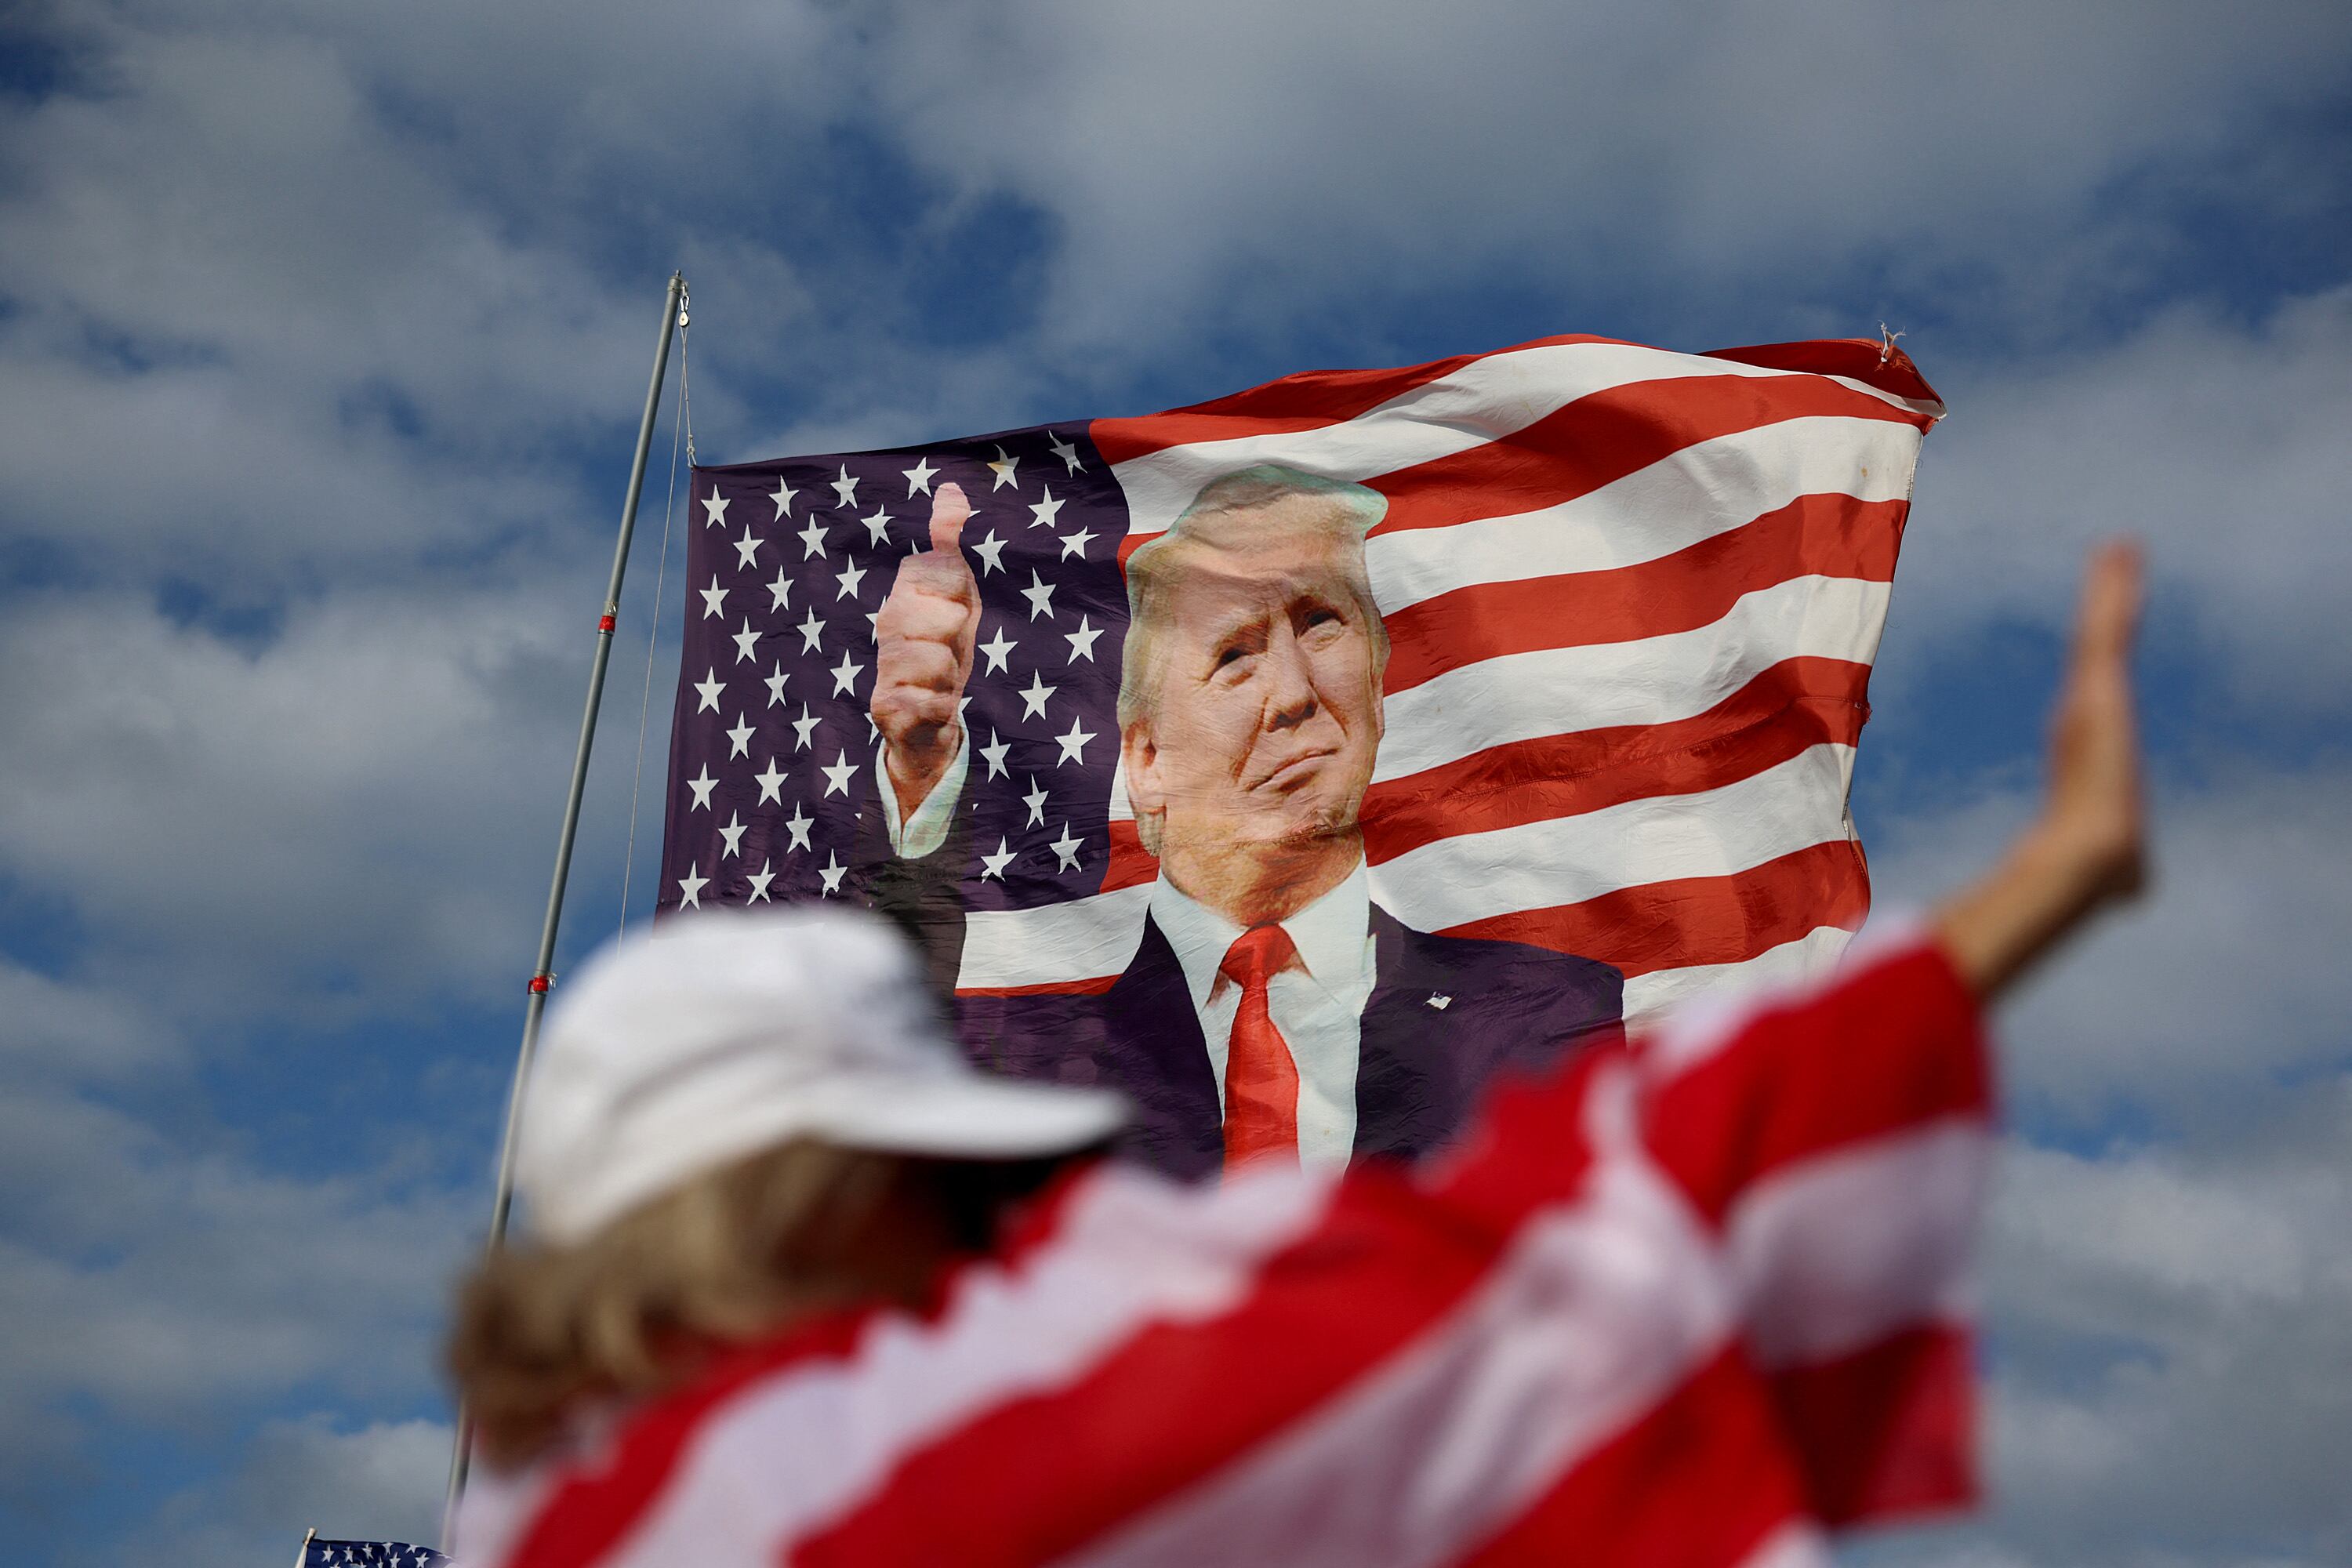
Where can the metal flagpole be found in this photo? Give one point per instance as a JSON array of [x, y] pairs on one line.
[[673, 314]]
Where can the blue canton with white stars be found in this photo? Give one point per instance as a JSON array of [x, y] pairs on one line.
[[368, 1555], [772, 749]]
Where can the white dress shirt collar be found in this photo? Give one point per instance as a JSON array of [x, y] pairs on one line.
[[1330, 933]]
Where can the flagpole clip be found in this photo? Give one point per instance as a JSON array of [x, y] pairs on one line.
[[539, 984], [1885, 345]]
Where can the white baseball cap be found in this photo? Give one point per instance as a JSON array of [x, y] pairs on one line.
[[728, 1031]]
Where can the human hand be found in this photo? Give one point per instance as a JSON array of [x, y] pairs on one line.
[[924, 639], [2088, 848]]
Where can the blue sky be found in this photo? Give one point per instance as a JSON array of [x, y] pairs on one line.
[[321, 334]]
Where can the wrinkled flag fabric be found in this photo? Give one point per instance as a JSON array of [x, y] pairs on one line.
[[1630, 599]]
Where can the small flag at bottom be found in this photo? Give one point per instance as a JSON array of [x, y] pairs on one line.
[[321, 1553]]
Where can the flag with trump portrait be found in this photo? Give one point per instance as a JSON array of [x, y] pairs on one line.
[[1296, 761]]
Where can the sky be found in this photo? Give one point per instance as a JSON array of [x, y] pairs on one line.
[[323, 332]]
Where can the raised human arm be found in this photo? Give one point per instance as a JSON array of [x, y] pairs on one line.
[[2086, 850], [924, 639]]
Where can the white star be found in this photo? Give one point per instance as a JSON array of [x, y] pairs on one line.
[[1033, 700], [797, 825], [1040, 594], [782, 496], [1082, 641], [810, 629], [1003, 468], [1076, 545], [761, 878], [832, 873], [1066, 450], [1074, 744], [733, 834], [713, 598], [849, 577], [878, 525], [739, 739], [874, 626], [780, 592], [746, 641], [989, 550], [919, 478], [998, 650], [994, 865], [771, 785], [714, 508], [1035, 800], [1041, 513], [776, 678], [844, 487], [709, 687], [812, 539], [846, 674], [1065, 849], [837, 775], [995, 753], [700, 784], [802, 727], [747, 548]]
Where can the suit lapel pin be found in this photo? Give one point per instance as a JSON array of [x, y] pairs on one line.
[[1439, 1000]]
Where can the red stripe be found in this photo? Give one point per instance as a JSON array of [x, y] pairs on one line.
[[1813, 536], [1309, 401], [1605, 436], [1888, 1430], [1798, 1083], [1703, 1479], [1035, 1479], [1857, 359], [1785, 708], [1094, 986], [1699, 919]]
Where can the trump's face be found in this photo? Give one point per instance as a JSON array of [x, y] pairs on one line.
[[1265, 715]]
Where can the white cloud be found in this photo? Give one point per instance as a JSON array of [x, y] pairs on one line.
[[2220, 445], [1233, 163], [377, 1482], [2193, 1004]]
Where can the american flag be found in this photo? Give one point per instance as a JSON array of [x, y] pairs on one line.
[[319, 1553], [1633, 597]]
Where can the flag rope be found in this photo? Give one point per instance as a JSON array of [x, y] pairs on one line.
[[681, 422]]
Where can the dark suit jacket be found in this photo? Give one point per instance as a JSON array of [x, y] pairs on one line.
[[1421, 1066]]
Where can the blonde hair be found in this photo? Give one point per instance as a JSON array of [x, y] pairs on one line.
[[544, 1332]]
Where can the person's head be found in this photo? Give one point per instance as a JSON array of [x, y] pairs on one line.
[[1249, 703], [739, 1121]]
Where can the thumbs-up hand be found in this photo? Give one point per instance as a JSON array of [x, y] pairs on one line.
[[924, 639]]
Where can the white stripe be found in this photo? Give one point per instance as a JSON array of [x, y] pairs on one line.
[[1703, 1024], [1567, 859], [1593, 1315], [793, 1455], [1707, 488], [1488, 398], [1653, 681], [1797, 1544], [1085, 939], [1813, 954], [1837, 1252]]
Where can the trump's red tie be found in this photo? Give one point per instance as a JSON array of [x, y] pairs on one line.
[[1260, 1080]]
